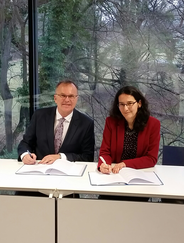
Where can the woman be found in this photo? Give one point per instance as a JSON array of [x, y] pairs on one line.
[[131, 136]]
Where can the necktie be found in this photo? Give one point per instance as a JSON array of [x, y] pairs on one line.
[[58, 135]]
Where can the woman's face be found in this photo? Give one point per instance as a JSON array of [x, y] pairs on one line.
[[128, 107]]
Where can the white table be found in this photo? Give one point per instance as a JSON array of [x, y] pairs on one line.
[[121, 221], [24, 219], [90, 220]]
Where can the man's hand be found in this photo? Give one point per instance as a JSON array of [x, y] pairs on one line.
[[29, 159], [49, 159]]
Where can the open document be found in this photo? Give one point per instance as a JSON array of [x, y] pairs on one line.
[[59, 167], [126, 176]]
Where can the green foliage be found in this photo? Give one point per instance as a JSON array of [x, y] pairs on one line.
[[7, 155], [62, 32], [23, 94]]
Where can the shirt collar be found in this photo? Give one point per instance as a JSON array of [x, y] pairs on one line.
[[67, 118]]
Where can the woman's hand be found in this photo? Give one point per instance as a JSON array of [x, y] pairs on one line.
[[118, 167], [105, 169]]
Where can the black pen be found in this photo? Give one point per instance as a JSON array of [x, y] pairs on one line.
[[30, 154]]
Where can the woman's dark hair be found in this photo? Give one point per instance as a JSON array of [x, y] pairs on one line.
[[143, 112]]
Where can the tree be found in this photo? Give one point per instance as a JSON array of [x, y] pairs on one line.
[[6, 29], [12, 13]]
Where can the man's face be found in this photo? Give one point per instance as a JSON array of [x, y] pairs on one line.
[[66, 98]]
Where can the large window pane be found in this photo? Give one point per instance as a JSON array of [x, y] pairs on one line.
[[14, 98], [103, 45]]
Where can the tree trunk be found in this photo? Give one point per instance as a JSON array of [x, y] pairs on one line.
[[5, 40]]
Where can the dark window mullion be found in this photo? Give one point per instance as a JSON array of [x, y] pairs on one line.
[[33, 55]]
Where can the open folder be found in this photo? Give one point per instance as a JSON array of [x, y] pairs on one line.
[[126, 176], [59, 167]]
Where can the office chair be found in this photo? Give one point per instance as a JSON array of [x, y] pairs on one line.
[[173, 155]]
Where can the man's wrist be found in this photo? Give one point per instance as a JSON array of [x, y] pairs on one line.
[[62, 156], [22, 155]]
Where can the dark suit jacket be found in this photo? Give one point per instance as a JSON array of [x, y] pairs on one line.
[[78, 144], [147, 143]]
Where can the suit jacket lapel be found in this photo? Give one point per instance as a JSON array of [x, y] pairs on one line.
[[50, 119], [74, 124]]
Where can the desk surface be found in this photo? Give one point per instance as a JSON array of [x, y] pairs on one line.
[[171, 176]]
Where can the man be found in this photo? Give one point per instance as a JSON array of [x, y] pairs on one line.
[[77, 131]]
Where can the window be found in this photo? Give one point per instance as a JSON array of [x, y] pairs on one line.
[[102, 45], [14, 98], [105, 44]]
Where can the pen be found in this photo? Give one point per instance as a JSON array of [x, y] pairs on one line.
[[103, 160], [30, 154]]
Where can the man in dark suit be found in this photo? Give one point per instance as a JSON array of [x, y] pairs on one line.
[[77, 132]]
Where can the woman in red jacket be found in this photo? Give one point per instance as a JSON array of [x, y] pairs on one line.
[[131, 136]]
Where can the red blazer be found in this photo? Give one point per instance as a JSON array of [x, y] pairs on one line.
[[147, 144]]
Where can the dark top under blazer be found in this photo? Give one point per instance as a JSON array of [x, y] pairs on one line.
[[147, 143], [78, 144]]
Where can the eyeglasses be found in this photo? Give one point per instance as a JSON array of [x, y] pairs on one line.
[[70, 97], [128, 105]]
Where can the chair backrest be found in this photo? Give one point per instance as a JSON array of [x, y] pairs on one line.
[[173, 155]]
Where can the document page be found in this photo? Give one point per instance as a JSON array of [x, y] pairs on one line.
[[59, 167], [134, 176], [127, 176]]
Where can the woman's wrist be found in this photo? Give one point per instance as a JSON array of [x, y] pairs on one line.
[[123, 164]]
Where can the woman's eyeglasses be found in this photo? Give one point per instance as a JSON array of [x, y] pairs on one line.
[[128, 104]]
